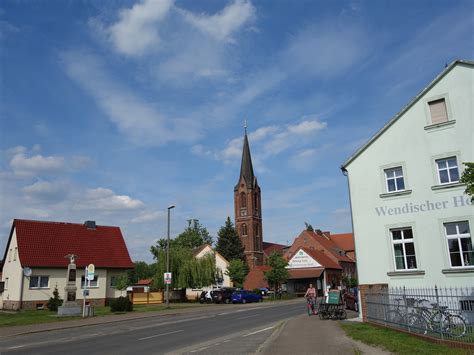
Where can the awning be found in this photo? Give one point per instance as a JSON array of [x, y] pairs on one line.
[[304, 273]]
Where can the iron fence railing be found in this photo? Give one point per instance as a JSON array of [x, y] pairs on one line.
[[443, 313]]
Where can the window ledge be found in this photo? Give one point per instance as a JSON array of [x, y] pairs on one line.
[[395, 193], [447, 186], [439, 125], [406, 273], [458, 271]]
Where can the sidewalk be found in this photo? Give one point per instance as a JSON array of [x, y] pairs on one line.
[[311, 335]]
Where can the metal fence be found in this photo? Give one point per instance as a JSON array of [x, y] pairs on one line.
[[441, 313]]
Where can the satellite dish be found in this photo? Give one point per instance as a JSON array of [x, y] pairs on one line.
[[27, 271]]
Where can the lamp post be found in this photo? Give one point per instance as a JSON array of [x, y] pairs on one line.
[[168, 258]]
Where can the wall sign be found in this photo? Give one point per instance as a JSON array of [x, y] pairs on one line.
[[302, 260]]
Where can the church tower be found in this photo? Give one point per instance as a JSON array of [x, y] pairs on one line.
[[248, 210]]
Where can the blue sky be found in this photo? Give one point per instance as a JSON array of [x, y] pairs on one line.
[[113, 110]]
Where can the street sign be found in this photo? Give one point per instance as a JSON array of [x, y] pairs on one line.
[[90, 272], [167, 277]]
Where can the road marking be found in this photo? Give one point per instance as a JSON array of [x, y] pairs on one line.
[[16, 347], [258, 331], [160, 335], [253, 315], [200, 349]]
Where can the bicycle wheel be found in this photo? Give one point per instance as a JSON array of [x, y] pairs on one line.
[[393, 317], [456, 326], [342, 314], [438, 322], [417, 324]]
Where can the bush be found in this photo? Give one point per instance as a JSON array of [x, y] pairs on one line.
[[121, 304], [55, 301]]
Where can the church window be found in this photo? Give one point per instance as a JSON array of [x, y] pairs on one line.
[[243, 200], [244, 229], [255, 201]]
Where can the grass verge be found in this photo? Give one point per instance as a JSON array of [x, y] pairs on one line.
[[393, 341], [44, 316]]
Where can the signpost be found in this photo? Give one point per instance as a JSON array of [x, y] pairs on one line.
[[89, 274], [168, 278]]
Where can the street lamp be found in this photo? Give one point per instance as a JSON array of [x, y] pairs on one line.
[[168, 258]]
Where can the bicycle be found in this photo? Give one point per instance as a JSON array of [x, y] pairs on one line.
[[438, 320], [310, 301]]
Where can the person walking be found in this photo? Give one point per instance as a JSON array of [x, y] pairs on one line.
[[311, 298]]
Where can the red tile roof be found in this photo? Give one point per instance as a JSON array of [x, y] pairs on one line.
[[345, 241], [322, 258], [329, 245], [304, 273], [44, 244], [269, 248], [145, 282]]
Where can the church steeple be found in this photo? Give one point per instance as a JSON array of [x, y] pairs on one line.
[[246, 167], [248, 209]]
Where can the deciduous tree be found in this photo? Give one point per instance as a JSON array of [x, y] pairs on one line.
[[278, 273], [468, 179], [237, 271]]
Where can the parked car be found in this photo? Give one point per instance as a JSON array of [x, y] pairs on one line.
[[245, 296], [350, 299], [222, 295]]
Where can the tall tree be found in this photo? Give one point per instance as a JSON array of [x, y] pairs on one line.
[[141, 271], [187, 270], [237, 271], [228, 242], [278, 273], [468, 179]]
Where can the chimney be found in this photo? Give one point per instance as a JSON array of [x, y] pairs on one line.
[[90, 224]]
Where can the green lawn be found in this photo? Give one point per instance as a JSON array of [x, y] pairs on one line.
[[393, 341]]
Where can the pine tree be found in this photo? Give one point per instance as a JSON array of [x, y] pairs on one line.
[[228, 242], [55, 301]]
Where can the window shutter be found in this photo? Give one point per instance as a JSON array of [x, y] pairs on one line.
[[438, 111]]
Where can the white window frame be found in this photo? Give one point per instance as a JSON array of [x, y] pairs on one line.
[[457, 236], [403, 241], [438, 170], [39, 282], [91, 285], [394, 178]]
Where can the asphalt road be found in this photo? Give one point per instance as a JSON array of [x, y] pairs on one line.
[[234, 329]]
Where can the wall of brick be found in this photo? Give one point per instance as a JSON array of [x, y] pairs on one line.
[[364, 289]]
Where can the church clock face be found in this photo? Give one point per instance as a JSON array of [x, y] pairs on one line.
[[243, 212]]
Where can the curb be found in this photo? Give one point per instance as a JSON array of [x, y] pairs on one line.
[[276, 333]]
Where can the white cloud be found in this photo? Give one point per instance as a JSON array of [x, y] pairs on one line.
[[327, 49], [223, 24], [44, 190], [105, 200], [135, 118], [149, 216], [23, 165], [306, 127], [136, 31]]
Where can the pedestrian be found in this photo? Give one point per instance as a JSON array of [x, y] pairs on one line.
[[311, 297]]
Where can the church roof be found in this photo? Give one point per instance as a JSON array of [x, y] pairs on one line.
[[246, 167]]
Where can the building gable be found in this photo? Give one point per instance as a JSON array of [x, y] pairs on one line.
[[302, 259]]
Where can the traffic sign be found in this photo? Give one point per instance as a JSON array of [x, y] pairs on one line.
[[167, 277], [90, 272]]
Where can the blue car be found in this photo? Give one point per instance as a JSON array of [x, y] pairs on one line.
[[245, 296]]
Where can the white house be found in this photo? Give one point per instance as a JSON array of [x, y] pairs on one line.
[[412, 220], [40, 248], [221, 266]]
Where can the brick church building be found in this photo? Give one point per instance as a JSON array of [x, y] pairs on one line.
[[248, 210], [328, 258]]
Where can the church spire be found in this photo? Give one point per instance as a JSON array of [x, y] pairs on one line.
[[246, 168]]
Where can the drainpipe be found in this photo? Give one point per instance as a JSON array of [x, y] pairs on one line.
[[21, 289], [346, 174]]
